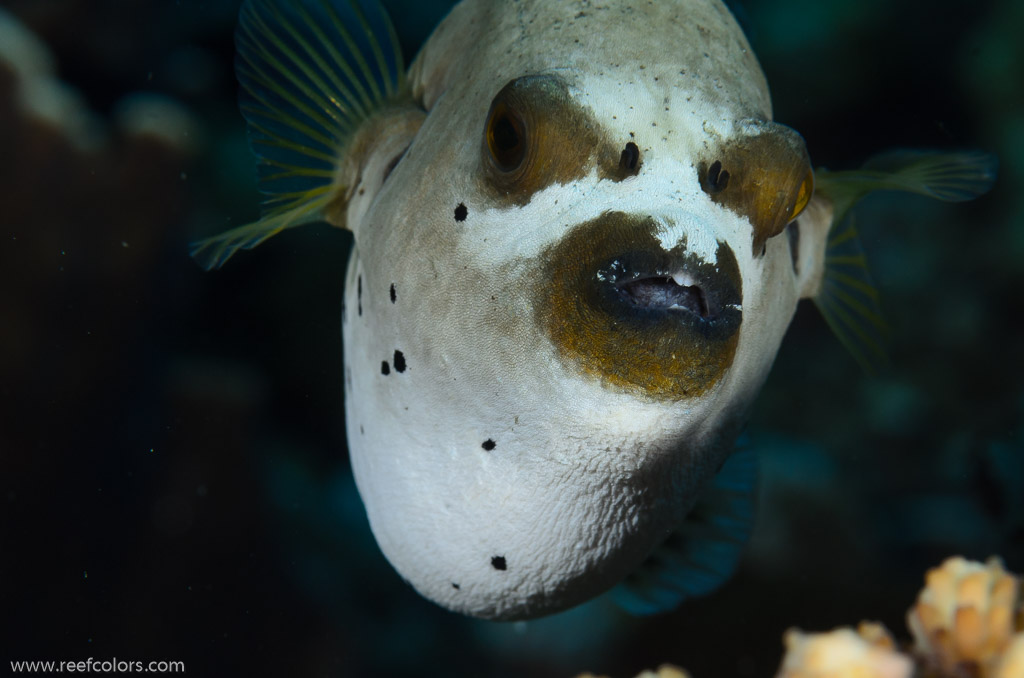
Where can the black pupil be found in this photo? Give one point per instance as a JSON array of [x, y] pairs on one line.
[[506, 143]]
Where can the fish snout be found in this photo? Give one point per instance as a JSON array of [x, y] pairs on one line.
[[640, 317]]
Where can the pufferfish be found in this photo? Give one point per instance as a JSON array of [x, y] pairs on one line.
[[579, 238]]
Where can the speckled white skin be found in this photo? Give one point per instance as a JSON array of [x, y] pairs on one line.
[[584, 480]]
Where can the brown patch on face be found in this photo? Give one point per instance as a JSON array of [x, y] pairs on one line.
[[765, 176], [609, 299], [537, 135]]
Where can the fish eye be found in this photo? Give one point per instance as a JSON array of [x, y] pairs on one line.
[[506, 137], [536, 134], [769, 179]]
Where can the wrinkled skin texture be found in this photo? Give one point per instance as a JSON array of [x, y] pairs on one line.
[[537, 433]]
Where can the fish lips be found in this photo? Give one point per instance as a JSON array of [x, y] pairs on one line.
[[655, 287], [660, 323]]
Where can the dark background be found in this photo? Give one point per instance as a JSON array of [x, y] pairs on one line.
[[173, 476]]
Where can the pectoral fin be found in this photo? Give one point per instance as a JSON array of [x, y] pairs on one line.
[[312, 72], [705, 549], [846, 295], [950, 177]]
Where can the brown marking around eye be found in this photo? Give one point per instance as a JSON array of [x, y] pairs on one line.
[[660, 354], [765, 176], [537, 135]]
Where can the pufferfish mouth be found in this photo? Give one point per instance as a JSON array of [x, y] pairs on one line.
[[660, 323], [675, 292], [674, 287]]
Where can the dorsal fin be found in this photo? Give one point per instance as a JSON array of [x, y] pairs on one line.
[[311, 72], [847, 297]]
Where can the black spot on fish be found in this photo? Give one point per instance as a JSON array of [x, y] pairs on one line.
[[359, 293], [630, 158], [489, 445], [399, 361], [498, 563], [385, 368], [461, 212], [361, 431], [393, 295], [455, 586]]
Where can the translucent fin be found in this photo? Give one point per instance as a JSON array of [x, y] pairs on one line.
[[311, 72], [704, 551], [211, 253], [950, 177], [848, 299]]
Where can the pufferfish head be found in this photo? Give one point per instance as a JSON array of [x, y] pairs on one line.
[[568, 284]]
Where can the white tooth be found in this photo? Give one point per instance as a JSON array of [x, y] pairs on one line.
[[683, 279]]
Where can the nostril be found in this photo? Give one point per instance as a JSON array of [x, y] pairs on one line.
[[665, 293], [630, 158]]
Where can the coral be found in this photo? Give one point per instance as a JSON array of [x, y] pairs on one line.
[[1012, 663], [664, 671], [963, 624], [843, 653], [965, 617], [968, 622]]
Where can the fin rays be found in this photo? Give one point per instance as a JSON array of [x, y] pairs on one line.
[[364, 102], [311, 72], [950, 177], [330, 104], [213, 252], [269, 81], [847, 298]]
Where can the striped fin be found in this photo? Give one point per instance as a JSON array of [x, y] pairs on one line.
[[704, 551], [848, 299], [951, 177], [311, 72]]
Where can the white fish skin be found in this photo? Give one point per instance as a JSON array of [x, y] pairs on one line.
[[504, 475]]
